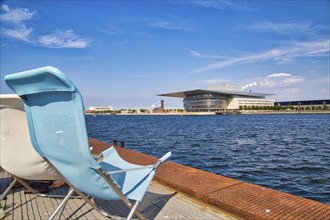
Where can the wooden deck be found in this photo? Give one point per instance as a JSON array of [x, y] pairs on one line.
[[160, 202]]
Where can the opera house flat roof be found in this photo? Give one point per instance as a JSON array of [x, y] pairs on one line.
[[184, 94]]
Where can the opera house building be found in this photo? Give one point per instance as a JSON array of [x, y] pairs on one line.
[[219, 98]]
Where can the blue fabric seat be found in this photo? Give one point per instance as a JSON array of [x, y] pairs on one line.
[[56, 120]]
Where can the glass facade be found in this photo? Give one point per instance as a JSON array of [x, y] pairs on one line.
[[200, 100], [209, 102]]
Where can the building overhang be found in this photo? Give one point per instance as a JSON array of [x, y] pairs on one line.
[[184, 94]]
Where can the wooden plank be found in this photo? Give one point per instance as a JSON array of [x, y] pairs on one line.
[[71, 209], [75, 209], [17, 211], [117, 208], [34, 206], [45, 206], [160, 202], [24, 206], [31, 207], [83, 210], [57, 201]]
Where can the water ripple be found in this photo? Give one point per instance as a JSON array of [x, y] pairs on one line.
[[289, 153]]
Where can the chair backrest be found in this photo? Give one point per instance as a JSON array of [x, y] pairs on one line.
[[17, 155], [55, 115]]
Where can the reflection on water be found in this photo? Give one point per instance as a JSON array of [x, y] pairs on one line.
[[290, 153]]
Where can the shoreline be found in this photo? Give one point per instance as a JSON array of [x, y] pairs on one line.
[[251, 112], [283, 112]]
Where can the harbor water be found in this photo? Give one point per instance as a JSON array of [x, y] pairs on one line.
[[289, 153]]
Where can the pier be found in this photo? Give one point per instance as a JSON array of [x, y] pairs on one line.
[[178, 192], [160, 202]]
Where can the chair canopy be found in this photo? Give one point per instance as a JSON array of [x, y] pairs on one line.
[[17, 155], [55, 113]]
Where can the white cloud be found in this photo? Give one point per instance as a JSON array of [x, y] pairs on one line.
[[296, 49], [16, 15], [15, 26], [124, 28], [214, 4], [14, 23], [284, 28], [275, 80], [63, 39], [293, 80], [278, 75], [173, 25], [281, 81], [206, 56], [221, 4], [5, 7], [195, 53], [20, 33]]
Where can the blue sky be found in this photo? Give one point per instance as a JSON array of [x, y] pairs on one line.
[[124, 53]]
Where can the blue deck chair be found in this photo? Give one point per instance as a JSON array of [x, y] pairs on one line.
[[56, 120]]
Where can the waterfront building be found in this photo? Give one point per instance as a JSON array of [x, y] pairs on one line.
[[323, 104], [100, 108], [219, 98]]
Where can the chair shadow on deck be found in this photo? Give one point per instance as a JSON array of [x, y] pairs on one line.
[[11, 206], [4, 182], [150, 207]]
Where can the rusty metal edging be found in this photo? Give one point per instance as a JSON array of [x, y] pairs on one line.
[[242, 199]]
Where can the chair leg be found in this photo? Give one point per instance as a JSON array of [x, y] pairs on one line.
[[97, 208], [91, 203], [61, 207], [8, 189], [133, 210], [26, 185], [83, 196], [61, 211]]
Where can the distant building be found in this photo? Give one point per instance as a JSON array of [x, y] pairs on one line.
[[162, 106], [220, 98], [306, 103], [100, 108]]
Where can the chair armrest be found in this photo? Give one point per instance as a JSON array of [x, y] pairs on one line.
[[96, 157], [162, 159], [166, 156]]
